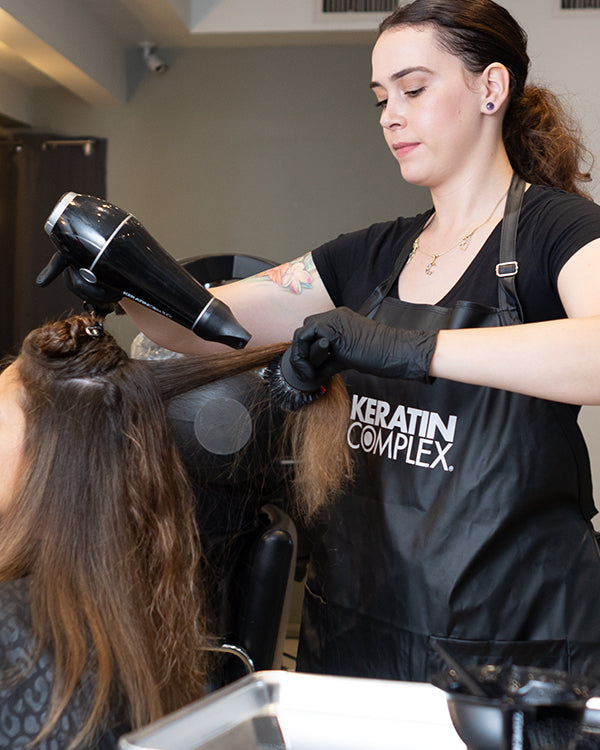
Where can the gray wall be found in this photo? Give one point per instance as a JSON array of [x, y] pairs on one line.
[[268, 151]]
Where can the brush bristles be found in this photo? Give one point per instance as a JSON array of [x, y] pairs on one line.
[[285, 395]]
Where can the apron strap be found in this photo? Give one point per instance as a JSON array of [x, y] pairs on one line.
[[370, 305], [508, 267], [506, 270]]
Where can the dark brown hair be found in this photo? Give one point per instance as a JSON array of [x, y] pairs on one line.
[[103, 520], [542, 140]]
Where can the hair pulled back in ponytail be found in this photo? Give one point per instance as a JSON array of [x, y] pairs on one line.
[[542, 141]]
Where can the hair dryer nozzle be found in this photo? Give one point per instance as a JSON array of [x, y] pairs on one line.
[[217, 323], [110, 247]]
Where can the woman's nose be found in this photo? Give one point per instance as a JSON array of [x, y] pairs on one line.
[[392, 116]]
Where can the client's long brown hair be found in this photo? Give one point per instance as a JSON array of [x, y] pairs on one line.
[[103, 521], [103, 527]]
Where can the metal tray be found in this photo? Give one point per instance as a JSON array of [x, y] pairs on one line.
[[294, 711]]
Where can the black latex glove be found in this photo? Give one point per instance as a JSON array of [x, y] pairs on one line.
[[359, 343], [102, 299]]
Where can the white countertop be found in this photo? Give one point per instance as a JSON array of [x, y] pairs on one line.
[[308, 712]]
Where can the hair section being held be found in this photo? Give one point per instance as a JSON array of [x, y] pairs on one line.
[[314, 435]]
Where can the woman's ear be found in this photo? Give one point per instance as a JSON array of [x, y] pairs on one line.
[[495, 87]]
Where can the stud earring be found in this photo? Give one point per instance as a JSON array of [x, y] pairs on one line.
[[490, 106]]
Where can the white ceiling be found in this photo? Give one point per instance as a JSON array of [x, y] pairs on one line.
[[86, 46]]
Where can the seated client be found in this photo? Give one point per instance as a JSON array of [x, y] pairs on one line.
[[102, 608], [101, 612]]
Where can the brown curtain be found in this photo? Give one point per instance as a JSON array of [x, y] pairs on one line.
[[36, 171]]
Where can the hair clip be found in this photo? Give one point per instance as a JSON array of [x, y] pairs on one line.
[[95, 330]]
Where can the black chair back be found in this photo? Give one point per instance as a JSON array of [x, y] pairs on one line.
[[250, 542], [214, 270]]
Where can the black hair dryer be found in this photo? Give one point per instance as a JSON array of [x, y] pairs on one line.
[[109, 246]]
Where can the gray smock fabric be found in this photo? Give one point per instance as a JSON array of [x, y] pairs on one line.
[[24, 701]]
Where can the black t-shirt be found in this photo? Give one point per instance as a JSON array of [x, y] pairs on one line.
[[553, 225]]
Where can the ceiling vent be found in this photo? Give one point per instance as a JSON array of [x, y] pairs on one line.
[[579, 4], [359, 6]]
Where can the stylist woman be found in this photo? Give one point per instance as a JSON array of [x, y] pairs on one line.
[[467, 335]]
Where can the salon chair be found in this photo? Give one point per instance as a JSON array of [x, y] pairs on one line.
[[250, 542], [258, 587], [213, 270]]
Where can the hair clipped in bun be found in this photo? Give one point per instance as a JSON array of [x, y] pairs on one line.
[[74, 346]]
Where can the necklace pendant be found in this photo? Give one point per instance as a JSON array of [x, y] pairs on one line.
[[430, 265], [415, 247], [466, 241]]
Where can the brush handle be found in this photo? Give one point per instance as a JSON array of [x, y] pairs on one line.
[[319, 352], [365, 345]]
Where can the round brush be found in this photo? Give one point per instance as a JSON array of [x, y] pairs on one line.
[[288, 390]]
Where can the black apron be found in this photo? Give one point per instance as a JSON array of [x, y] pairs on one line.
[[468, 521]]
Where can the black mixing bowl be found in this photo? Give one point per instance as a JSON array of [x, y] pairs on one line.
[[545, 706]]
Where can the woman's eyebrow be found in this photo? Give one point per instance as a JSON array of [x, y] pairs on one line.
[[402, 73]]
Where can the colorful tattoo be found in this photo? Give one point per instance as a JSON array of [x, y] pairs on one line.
[[296, 275]]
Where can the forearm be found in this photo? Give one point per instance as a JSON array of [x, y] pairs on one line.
[[557, 360], [165, 332], [268, 306]]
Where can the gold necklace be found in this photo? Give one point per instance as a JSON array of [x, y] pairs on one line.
[[463, 243]]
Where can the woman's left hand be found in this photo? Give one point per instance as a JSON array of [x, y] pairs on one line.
[[359, 343]]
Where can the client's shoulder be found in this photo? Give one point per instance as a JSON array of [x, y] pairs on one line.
[[15, 612]]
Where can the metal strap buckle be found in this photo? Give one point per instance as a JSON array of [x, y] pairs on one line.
[[509, 268]]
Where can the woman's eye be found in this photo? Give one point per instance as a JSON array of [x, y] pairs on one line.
[[414, 92], [381, 104]]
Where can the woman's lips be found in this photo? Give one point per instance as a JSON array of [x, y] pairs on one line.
[[402, 149]]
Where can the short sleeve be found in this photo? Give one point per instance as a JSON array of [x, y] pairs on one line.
[[563, 224], [352, 265]]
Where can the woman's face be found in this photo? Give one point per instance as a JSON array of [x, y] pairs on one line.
[[12, 435], [431, 106]]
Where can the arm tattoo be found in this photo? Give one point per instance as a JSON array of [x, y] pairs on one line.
[[294, 276]]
